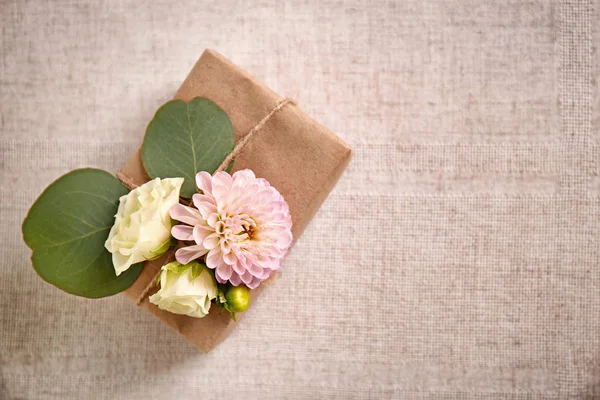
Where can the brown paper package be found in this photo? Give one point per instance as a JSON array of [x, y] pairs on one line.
[[298, 156]]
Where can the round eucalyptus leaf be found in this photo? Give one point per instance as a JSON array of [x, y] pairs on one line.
[[185, 138], [66, 229]]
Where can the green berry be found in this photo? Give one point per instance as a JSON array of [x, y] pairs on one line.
[[238, 298]]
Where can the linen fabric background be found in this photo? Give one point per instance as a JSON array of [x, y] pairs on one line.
[[457, 258]]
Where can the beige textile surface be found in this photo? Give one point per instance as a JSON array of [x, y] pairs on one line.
[[457, 257]]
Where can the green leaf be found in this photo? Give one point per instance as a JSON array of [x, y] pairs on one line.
[[174, 266], [161, 250], [66, 228], [185, 138], [196, 270], [221, 300]]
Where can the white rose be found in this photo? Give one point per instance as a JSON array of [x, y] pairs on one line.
[[185, 289], [142, 229]]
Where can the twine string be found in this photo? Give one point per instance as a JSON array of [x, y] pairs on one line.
[[243, 142], [240, 146], [127, 181]]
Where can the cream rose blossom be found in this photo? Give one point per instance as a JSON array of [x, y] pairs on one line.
[[142, 228], [185, 289]]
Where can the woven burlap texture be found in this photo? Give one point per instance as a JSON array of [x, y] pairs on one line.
[[457, 258]]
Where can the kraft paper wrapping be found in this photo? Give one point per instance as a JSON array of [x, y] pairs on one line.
[[298, 156]]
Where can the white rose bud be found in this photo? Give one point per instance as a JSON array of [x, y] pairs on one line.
[[142, 229], [185, 289]]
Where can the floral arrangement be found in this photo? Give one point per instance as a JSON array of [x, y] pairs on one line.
[[221, 234]]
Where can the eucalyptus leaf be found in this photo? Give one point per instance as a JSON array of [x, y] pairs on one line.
[[66, 228], [185, 138]]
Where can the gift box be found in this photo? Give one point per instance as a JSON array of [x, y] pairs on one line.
[[297, 155]]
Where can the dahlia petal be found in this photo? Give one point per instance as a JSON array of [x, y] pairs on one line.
[[226, 248], [211, 241], [249, 258], [220, 227], [235, 280], [203, 197], [213, 219], [214, 258], [186, 254], [266, 273], [255, 270], [200, 233], [222, 178], [222, 182], [253, 284], [244, 176], [229, 258], [187, 215], [263, 262], [285, 239], [263, 182], [241, 259], [205, 205], [275, 264], [273, 252], [204, 181], [224, 271], [238, 268], [246, 277], [182, 232]]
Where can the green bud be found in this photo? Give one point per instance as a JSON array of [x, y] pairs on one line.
[[238, 298]]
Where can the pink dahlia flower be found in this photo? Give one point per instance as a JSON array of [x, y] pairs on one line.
[[240, 222]]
